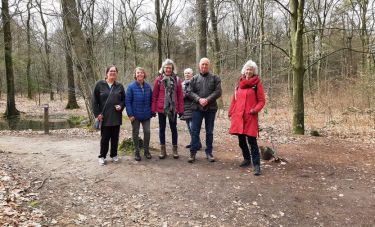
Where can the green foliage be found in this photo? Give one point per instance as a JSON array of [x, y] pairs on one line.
[[126, 147], [75, 120], [33, 203]]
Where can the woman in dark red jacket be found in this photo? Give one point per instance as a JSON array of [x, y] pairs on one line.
[[247, 101], [167, 102]]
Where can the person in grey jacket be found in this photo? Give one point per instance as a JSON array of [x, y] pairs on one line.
[[108, 102], [205, 90], [188, 112]]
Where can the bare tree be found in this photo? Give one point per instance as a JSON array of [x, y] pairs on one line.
[[214, 23], [84, 63], [28, 30], [11, 110], [160, 13], [201, 21], [47, 50], [297, 24]]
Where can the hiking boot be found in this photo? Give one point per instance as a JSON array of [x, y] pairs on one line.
[[102, 161], [245, 163], [115, 159], [148, 155], [163, 152], [137, 156], [191, 158], [257, 170], [210, 157], [175, 152]]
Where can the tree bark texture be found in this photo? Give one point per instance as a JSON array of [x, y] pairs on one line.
[[28, 66], [84, 65], [297, 23], [217, 49], [11, 110], [201, 47]]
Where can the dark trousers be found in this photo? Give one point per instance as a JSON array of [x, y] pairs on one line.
[[109, 133], [245, 148], [163, 124], [209, 121]]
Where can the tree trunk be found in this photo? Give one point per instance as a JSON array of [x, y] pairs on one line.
[[72, 100], [28, 67], [201, 47], [261, 45], [217, 57], [47, 50], [159, 28], [84, 65], [297, 23], [11, 110]]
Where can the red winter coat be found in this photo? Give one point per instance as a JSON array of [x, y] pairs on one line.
[[243, 102], [158, 96]]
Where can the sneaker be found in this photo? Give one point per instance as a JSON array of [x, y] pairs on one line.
[[101, 161], [115, 159], [210, 158], [257, 170], [245, 163], [191, 158]]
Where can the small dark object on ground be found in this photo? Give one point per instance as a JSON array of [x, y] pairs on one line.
[[314, 133]]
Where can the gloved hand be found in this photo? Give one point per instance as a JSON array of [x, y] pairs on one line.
[[153, 114], [253, 112], [180, 115]]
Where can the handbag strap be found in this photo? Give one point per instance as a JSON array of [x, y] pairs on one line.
[[105, 104]]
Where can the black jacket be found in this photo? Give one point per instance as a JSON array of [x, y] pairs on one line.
[[188, 112], [205, 86], [117, 97]]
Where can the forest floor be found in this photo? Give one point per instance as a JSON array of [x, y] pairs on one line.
[[55, 179]]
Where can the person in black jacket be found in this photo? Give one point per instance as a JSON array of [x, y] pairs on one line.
[[205, 90], [108, 102], [188, 112]]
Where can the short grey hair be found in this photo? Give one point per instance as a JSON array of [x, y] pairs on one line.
[[188, 70], [249, 64], [168, 62]]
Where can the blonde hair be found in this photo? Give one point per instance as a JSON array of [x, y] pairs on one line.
[[249, 64], [168, 62], [141, 69]]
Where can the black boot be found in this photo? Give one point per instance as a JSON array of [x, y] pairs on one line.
[[191, 158], [257, 170], [137, 156], [148, 155], [245, 163]]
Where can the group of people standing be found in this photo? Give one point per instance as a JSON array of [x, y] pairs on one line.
[[192, 100]]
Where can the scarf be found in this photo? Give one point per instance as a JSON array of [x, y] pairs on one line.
[[246, 84], [169, 100]]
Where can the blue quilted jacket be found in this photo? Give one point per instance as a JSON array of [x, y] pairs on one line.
[[138, 101]]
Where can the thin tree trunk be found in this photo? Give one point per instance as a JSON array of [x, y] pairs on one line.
[[47, 50], [217, 49], [28, 66], [201, 47], [11, 110], [261, 45]]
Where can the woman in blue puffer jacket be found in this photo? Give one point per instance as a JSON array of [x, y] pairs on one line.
[[138, 107]]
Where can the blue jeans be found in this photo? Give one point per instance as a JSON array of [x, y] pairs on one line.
[[209, 121], [162, 125], [189, 123]]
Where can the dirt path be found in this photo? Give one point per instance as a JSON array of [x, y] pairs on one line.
[[326, 183]]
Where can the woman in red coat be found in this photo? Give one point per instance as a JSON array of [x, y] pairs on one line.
[[247, 101]]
